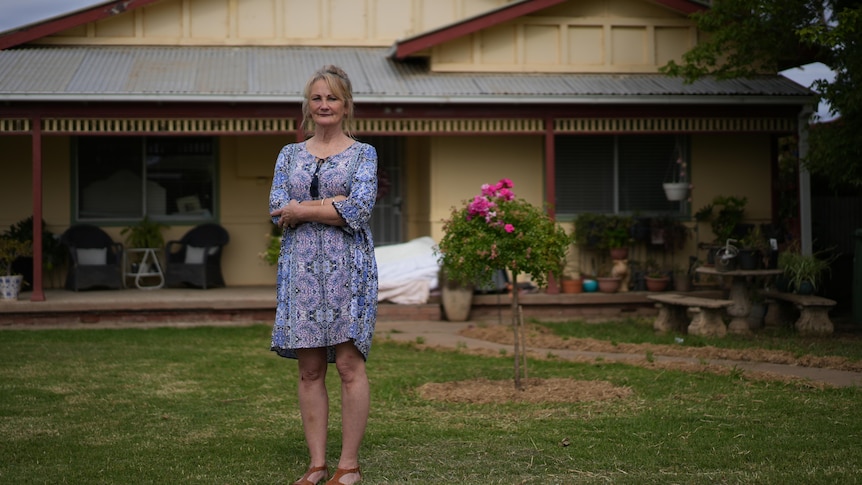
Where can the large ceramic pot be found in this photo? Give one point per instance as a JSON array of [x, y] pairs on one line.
[[457, 300], [619, 253], [609, 284], [10, 286], [657, 284]]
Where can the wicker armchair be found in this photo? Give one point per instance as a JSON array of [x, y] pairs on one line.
[[195, 260], [95, 260]]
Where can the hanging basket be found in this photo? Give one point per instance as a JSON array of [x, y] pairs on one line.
[[675, 190]]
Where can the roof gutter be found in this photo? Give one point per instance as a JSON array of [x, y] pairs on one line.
[[679, 99]]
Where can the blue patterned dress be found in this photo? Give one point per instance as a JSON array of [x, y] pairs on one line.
[[327, 275]]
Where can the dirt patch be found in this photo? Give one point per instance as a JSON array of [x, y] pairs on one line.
[[541, 337], [482, 391]]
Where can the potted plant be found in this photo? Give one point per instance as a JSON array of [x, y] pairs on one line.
[[804, 272], [53, 253], [602, 232], [753, 247], [677, 187], [589, 230], [572, 283], [656, 278], [681, 278], [617, 236], [724, 214], [10, 250], [144, 234]]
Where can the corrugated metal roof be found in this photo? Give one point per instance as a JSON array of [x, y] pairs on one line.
[[250, 74]]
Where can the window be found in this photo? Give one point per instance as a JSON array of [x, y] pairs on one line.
[[615, 173], [127, 178]]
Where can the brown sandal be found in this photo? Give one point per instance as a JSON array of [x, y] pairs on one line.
[[303, 480], [336, 479]]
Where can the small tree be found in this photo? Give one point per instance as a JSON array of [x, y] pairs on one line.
[[495, 230]]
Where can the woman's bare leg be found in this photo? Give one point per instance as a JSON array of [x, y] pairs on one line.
[[314, 405], [355, 404]]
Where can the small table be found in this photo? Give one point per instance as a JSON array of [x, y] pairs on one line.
[[740, 294], [148, 267]]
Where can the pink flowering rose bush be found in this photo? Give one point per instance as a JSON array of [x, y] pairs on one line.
[[497, 230]]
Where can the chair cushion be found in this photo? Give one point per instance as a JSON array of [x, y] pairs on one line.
[[92, 256], [194, 255]]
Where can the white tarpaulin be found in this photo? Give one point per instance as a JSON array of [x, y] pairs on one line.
[[407, 272]]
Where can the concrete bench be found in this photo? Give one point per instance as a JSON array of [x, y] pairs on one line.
[[707, 319], [812, 311]]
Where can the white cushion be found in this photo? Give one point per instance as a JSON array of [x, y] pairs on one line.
[[92, 257], [194, 255]]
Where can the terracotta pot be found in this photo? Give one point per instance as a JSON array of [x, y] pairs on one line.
[[657, 284], [609, 284], [572, 286], [619, 253]]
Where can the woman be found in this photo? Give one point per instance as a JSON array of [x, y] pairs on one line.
[[322, 195]]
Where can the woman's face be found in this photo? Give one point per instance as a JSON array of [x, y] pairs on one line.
[[326, 108]]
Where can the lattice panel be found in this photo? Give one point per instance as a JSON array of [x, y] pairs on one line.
[[14, 125], [167, 125], [673, 125], [449, 126]]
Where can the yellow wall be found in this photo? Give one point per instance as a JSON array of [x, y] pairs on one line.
[[274, 22], [415, 191], [583, 36], [461, 164], [577, 36], [245, 179]]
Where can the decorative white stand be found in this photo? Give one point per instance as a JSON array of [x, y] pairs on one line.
[[148, 267]]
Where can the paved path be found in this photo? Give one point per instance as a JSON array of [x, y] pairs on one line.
[[445, 334]]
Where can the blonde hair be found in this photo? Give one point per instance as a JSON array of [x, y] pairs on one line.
[[339, 83]]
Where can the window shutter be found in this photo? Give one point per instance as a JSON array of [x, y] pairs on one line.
[[584, 174], [646, 161]]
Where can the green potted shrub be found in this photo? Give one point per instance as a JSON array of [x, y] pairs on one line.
[[804, 272], [145, 233], [656, 277], [753, 246], [53, 253], [617, 236]]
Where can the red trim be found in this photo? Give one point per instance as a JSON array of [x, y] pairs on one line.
[[421, 42], [44, 29], [38, 292], [460, 29], [684, 6]]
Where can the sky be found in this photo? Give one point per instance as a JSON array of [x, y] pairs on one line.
[[16, 13], [806, 75]]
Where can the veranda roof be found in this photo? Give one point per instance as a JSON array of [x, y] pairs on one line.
[[278, 74]]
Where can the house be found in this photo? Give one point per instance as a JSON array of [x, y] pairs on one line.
[[176, 109]]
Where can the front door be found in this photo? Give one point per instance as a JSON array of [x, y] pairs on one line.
[[386, 219]]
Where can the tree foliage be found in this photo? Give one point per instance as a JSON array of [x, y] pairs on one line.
[[745, 38]]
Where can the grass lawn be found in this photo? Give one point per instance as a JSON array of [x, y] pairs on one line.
[[214, 406]]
